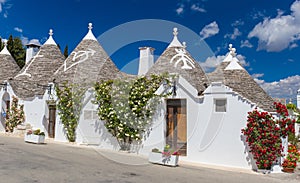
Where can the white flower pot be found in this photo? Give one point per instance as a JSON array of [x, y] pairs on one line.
[[159, 158], [37, 139]]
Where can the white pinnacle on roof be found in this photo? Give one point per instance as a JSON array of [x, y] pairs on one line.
[[234, 63], [228, 57], [90, 34], [175, 42], [5, 50], [50, 39]]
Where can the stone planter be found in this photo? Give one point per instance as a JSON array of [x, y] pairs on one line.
[[159, 158], [37, 139]]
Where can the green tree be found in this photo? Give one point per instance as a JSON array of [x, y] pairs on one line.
[[17, 50], [66, 51]]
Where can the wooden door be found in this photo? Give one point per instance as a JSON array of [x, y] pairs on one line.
[[176, 135], [51, 125]]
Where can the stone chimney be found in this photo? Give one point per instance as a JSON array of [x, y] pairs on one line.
[[146, 60], [31, 51]]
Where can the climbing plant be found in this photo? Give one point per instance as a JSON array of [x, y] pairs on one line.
[[69, 104], [15, 115], [263, 135], [128, 106]]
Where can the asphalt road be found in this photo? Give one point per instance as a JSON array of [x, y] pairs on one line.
[[53, 162]]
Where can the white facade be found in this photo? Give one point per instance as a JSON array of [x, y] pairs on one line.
[[212, 137]]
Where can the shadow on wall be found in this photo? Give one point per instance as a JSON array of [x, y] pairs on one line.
[[105, 136], [249, 157], [45, 124]]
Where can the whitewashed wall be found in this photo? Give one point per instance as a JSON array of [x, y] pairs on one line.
[[212, 138], [218, 139], [5, 96], [35, 109]]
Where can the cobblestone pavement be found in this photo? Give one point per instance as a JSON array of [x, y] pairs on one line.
[[57, 162]]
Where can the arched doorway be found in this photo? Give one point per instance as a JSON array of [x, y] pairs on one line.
[[5, 107]]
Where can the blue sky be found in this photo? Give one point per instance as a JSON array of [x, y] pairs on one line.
[[265, 33]]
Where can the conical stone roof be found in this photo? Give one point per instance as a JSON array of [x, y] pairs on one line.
[[8, 66], [87, 64], [232, 74], [38, 71], [177, 60]]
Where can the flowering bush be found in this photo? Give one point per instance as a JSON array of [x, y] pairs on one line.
[[263, 134], [127, 106], [287, 125], [69, 104], [292, 157], [15, 116]]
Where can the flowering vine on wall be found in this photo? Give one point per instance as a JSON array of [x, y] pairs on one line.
[[16, 115], [69, 105], [263, 135], [128, 106]]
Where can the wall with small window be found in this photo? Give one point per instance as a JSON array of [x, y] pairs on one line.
[[220, 104]]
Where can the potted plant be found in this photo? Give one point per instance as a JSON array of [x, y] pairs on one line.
[[35, 136], [168, 156], [290, 162]]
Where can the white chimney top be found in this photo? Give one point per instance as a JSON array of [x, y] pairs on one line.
[[146, 60]]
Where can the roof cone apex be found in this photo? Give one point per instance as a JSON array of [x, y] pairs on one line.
[[5, 50], [234, 65], [50, 39], [90, 34], [231, 54], [175, 42]]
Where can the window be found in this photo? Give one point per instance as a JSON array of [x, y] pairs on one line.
[[220, 105], [90, 114]]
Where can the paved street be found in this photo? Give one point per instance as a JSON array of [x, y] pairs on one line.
[[54, 162]]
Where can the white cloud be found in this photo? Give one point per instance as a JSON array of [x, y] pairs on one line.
[[284, 88], [279, 33], [237, 23], [257, 75], [257, 15], [190, 5], [4, 7], [234, 35], [35, 41], [195, 7], [180, 10], [25, 40], [18, 29], [209, 30], [246, 43], [293, 45], [2, 2], [212, 62]]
